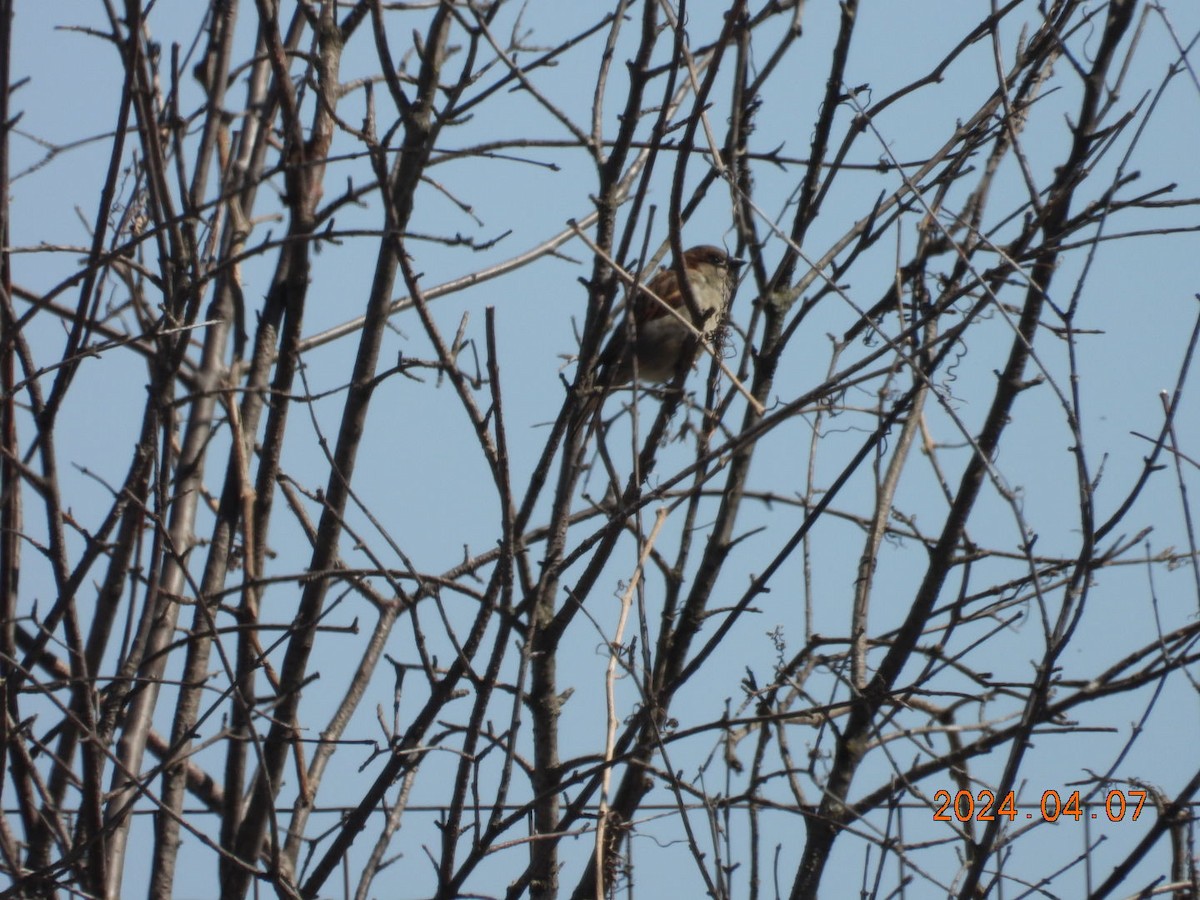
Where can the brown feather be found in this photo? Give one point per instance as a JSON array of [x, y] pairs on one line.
[[662, 340]]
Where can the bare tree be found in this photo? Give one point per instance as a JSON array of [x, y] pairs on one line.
[[350, 584]]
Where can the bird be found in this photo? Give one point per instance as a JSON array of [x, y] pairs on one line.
[[653, 347]]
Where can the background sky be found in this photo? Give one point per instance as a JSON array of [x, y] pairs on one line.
[[1140, 304]]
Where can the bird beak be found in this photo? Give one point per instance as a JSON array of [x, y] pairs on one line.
[[735, 263]]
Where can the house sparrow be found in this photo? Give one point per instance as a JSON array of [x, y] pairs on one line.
[[660, 340]]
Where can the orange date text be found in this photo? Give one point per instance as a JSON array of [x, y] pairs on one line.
[[964, 806]]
